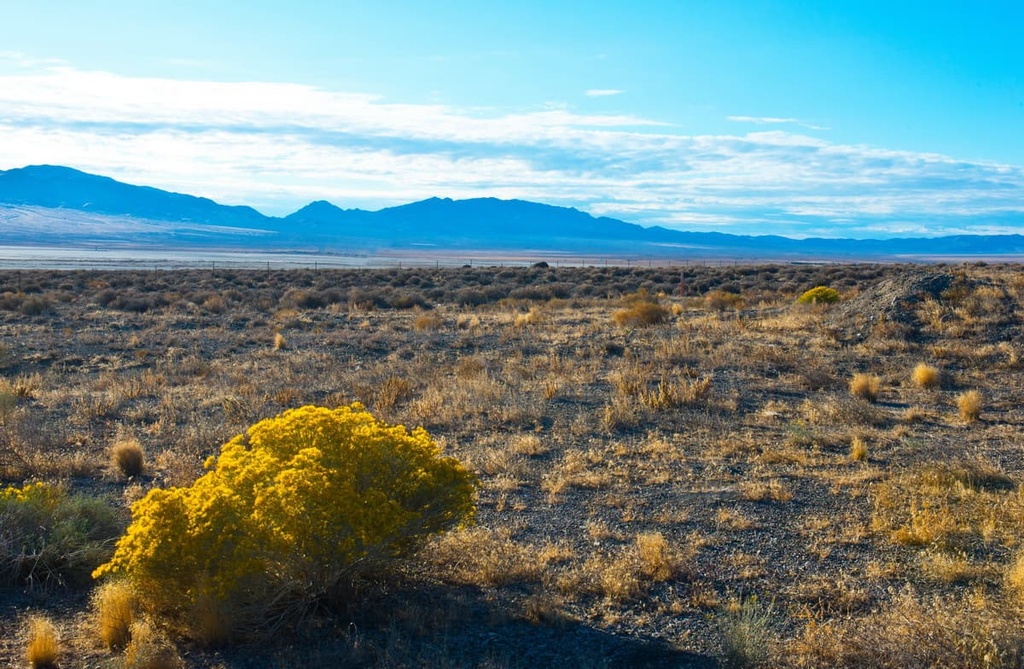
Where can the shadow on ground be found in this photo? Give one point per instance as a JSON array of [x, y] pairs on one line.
[[453, 627]]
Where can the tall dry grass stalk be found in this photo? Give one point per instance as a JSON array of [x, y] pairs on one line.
[[42, 649], [115, 606]]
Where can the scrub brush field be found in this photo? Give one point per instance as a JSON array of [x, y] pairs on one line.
[[686, 466]]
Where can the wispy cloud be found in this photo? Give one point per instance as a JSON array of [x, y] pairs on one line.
[[603, 92], [277, 146], [774, 120]]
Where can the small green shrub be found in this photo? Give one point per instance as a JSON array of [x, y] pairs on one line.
[[49, 537], [293, 510], [746, 634], [819, 295]]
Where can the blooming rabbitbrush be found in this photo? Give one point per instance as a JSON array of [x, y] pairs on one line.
[[292, 508]]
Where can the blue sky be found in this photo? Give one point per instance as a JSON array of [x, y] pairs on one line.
[[858, 119]]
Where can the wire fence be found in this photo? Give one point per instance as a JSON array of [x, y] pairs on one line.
[[134, 259]]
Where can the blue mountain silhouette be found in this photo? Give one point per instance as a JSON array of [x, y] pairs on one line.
[[162, 217]]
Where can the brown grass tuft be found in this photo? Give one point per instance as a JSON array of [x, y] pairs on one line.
[[765, 491], [127, 457], [964, 632], [116, 607], [926, 376], [43, 643], [428, 322], [969, 405], [858, 450], [658, 561], [280, 343], [865, 386], [641, 314], [1015, 578], [150, 649]]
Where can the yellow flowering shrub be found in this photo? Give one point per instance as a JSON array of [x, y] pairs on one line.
[[819, 295], [292, 508]]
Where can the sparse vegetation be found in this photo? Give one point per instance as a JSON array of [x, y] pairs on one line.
[[51, 539], [702, 487]]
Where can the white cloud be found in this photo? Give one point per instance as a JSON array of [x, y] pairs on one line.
[[761, 120], [774, 120], [276, 146], [603, 92]]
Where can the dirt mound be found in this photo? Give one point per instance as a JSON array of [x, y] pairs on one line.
[[895, 301]]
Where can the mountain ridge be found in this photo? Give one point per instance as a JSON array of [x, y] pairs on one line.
[[58, 204]]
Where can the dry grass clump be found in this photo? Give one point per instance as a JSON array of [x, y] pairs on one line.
[[952, 507], [842, 410], [641, 314], [914, 631], [280, 343], [428, 322], [858, 450], [926, 376], [720, 300], [657, 560], [865, 386], [968, 405], [479, 556], [670, 394], [127, 458], [746, 634], [733, 519], [1014, 578], [532, 317], [150, 649], [974, 475], [527, 444], [625, 574], [390, 392], [42, 646], [951, 568], [578, 469], [765, 491], [115, 607]]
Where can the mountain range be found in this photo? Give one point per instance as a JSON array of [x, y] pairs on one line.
[[47, 205]]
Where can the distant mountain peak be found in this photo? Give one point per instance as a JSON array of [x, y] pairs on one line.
[[57, 186], [120, 213]]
